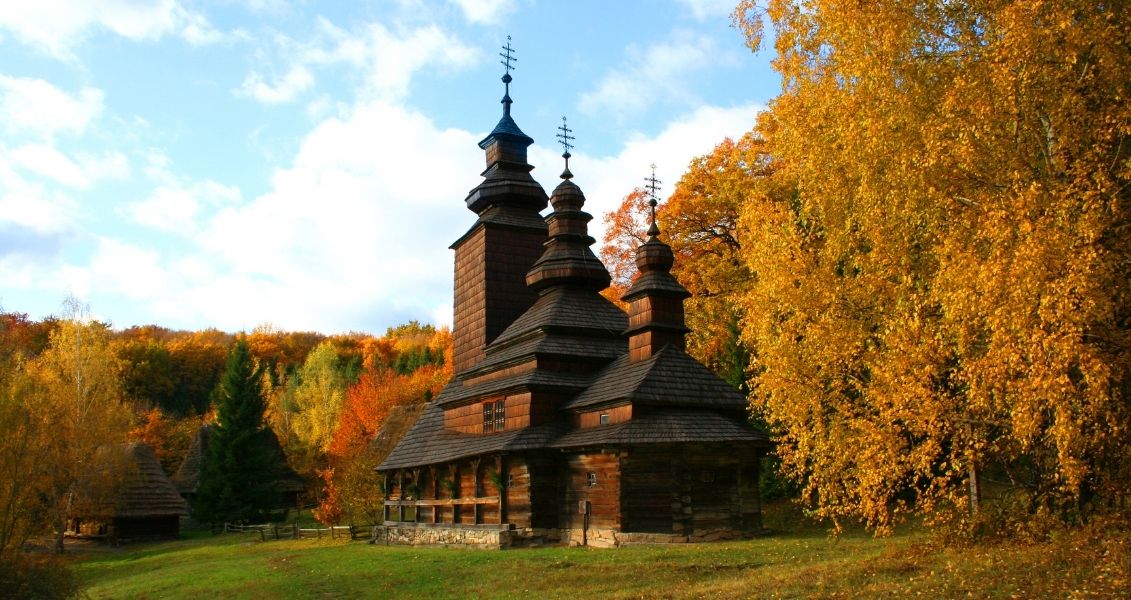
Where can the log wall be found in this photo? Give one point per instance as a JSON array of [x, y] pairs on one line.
[[603, 495]]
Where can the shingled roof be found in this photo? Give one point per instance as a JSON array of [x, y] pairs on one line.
[[147, 491], [666, 426], [187, 477], [670, 377], [583, 311], [428, 442]]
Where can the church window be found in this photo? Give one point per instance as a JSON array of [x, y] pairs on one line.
[[500, 415], [591, 478], [494, 416], [604, 418]]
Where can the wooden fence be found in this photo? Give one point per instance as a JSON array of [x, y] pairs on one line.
[[294, 532]]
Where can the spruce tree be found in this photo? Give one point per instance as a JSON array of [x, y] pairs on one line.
[[241, 462]]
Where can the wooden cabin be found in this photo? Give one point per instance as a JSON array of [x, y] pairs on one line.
[[567, 421], [187, 478], [145, 505]]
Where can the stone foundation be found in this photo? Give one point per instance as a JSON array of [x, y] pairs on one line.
[[504, 536], [420, 534], [610, 538]]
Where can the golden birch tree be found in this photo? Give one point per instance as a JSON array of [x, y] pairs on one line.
[[940, 300], [81, 413]]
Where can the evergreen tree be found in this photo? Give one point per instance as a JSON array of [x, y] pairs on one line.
[[242, 461]]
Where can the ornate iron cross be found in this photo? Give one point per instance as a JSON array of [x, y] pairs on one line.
[[564, 138], [508, 57], [653, 187]]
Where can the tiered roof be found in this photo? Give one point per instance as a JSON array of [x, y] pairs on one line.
[[571, 347]]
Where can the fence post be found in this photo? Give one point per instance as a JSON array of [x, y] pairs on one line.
[[276, 531], [294, 526], [262, 536]]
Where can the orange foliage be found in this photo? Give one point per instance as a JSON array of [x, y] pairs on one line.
[[627, 230], [369, 401], [169, 438]]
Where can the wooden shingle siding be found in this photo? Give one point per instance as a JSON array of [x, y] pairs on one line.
[[470, 319], [616, 414], [469, 418]]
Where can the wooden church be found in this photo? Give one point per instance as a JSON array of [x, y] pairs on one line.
[[567, 421]]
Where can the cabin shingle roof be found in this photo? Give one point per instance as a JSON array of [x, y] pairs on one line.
[[670, 378], [148, 491]]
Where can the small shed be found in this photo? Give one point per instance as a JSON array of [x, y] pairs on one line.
[[145, 505], [290, 484]]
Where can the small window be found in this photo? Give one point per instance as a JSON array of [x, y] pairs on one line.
[[488, 417], [604, 418], [591, 478], [510, 480], [500, 415]]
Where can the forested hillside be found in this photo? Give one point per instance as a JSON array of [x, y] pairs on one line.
[[72, 384]]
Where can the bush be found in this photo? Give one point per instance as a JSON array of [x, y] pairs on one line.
[[36, 576]]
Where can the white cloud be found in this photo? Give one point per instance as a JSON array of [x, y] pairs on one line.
[[174, 208], [396, 56], [128, 269], [351, 233], [709, 9], [484, 12], [55, 26], [47, 161], [38, 107], [387, 59], [297, 80], [661, 72], [30, 207]]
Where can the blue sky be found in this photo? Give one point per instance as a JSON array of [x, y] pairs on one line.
[[303, 164]]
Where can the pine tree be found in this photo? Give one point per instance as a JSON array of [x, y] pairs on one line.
[[242, 461]]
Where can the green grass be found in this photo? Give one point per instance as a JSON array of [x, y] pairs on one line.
[[800, 563]]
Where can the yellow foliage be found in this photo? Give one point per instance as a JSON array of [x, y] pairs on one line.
[[940, 299]]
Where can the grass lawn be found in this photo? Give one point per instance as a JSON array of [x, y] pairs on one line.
[[800, 563]]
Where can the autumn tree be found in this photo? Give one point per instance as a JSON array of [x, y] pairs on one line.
[[169, 437], [80, 411], [700, 219], [21, 335], [353, 491], [147, 374], [197, 360], [241, 464], [626, 229], [315, 401], [940, 304], [25, 488]]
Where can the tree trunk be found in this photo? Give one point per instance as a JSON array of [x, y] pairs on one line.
[[975, 492], [61, 525]]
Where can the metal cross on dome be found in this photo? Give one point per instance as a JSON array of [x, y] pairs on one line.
[[653, 187], [564, 137], [566, 140], [508, 58]]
